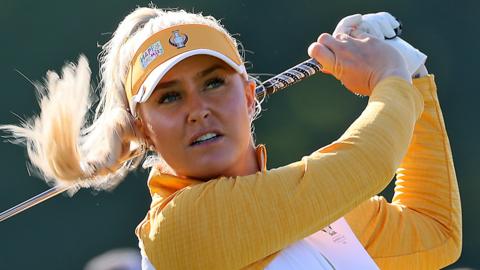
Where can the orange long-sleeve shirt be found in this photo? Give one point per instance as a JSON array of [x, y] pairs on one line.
[[242, 222]]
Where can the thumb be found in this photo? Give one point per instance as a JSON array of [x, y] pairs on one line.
[[323, 52], [323, 55]]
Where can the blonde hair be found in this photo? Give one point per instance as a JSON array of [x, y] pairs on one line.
[[62, 143]]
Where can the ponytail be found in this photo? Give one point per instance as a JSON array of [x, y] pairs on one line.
[[61, 147], [70, 143]]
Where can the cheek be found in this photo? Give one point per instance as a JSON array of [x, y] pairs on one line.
[[162, 131], [239, 114]]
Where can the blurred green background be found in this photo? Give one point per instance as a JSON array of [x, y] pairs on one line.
[[35, 36]]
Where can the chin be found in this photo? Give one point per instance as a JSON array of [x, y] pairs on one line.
[[223, 159], [213, 164]]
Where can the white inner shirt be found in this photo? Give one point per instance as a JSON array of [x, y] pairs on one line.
[[334, 247]]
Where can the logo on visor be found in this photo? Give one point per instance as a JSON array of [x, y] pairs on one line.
[[177, 39], [151, 53]]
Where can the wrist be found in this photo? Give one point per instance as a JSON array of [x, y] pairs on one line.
[[394, 72]]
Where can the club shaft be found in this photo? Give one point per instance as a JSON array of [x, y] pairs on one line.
[[33, 201], [268, 87]]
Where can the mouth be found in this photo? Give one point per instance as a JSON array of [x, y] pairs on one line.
[[206, 138]]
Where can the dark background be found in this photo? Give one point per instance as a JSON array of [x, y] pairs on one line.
[[64, 233]]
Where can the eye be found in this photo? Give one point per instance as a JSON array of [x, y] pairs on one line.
[[214, 83], [169, 97]]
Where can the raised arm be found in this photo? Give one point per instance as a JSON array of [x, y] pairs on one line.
[[423, 222]]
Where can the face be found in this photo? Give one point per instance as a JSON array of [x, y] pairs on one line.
[[198, 119]]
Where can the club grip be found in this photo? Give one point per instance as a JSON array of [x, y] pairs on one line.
[[288, 77]]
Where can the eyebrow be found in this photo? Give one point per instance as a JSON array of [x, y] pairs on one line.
[[208, 71], [199, 75]]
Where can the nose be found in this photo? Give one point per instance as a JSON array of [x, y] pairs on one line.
[[198, 110], [198, 116]]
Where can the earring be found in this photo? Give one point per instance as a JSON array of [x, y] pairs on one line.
[[151, 148]]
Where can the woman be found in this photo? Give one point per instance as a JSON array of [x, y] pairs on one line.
[[175, 83]]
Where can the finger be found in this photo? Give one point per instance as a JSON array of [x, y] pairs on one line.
[[376, 29], [386, 27], [358, 32], [394, 23], [347, 24], [362, 35], [352, 20], [342, 37], [385, 21], [343, 30], [372, 28], [323, 55], [330, 42]]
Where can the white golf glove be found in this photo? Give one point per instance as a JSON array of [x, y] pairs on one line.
[[383, 26]]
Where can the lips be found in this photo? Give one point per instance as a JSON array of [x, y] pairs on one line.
[[203, 137]]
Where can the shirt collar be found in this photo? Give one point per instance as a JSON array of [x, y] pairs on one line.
[[164, 185]]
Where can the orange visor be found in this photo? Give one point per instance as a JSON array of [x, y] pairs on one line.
[[160, 52]]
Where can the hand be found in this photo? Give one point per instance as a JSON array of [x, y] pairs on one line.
[[383, 26], [358, 63], [380, 25]]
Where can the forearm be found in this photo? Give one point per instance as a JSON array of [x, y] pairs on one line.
[[230, 223], [421, 228], [426, 181]]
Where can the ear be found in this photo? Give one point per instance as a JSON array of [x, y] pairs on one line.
[[250, 86], [141, 130]]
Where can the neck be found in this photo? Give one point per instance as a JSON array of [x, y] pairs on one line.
[[247, 164]]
